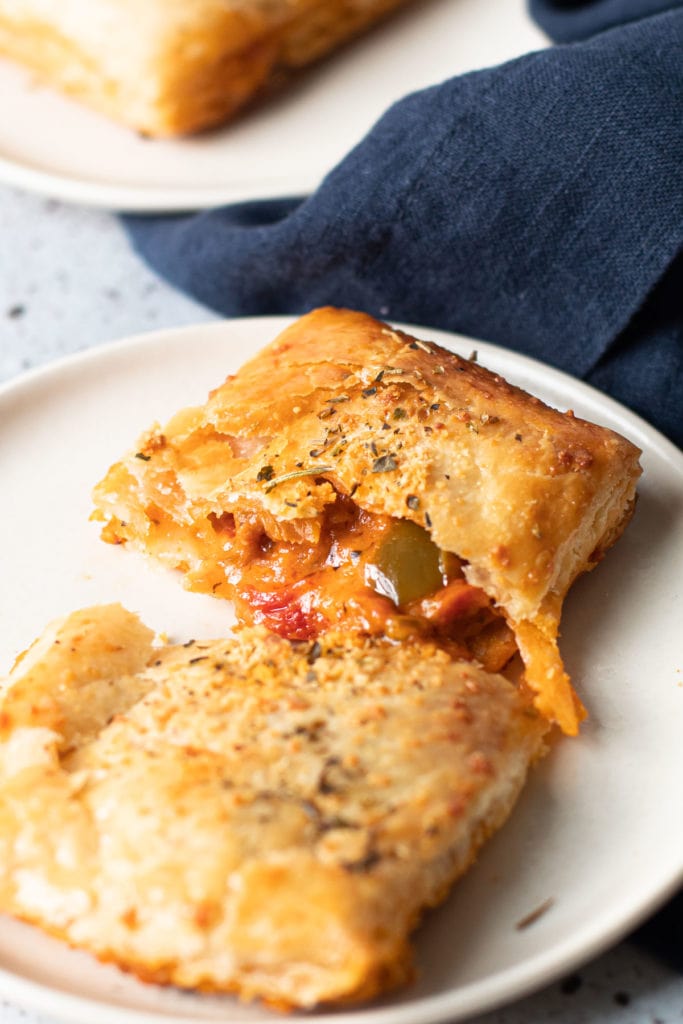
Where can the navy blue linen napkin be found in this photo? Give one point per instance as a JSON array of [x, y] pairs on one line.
[[537, 205]]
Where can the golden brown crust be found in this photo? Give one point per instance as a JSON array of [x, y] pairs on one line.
[[168, 67], [256, 817], [341, 402]]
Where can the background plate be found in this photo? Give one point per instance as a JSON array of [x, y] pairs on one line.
[[54, 146], [599, 829]]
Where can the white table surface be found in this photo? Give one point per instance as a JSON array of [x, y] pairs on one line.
[[69, 281]]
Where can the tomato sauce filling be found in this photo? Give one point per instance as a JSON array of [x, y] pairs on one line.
[[365, 572]]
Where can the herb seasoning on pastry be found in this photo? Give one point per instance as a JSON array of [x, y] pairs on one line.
[[248, 815], [353, 476], [169, 67]]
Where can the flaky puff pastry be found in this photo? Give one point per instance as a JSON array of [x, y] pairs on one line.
[[168, 67], [248, 815], [527, 496]]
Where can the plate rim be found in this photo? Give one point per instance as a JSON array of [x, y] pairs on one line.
[[503, 987], [147, 199]]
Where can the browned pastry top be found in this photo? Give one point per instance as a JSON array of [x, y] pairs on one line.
[[341, 404]]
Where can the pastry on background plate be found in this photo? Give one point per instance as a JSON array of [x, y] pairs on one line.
[[248, 815], [352, 476], [170, 67]]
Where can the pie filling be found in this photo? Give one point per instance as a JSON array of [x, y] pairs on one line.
[[353, 569]]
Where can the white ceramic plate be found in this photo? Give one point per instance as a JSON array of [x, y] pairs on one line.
[[53, 146], [599, 830]]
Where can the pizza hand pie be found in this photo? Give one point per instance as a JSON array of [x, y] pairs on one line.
[[248, 815], [353, 476], [170, 67]]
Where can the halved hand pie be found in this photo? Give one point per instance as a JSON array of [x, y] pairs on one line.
[[247, 814], [352, 476]]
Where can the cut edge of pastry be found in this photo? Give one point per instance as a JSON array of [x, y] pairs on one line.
[[457, 474]]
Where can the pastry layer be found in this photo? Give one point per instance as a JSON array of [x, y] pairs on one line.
[[343, 408], [248, 815], [168, 67]]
